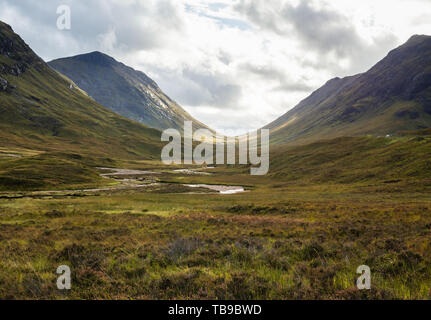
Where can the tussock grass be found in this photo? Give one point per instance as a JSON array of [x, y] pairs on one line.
[[177, 246], [291, 236]]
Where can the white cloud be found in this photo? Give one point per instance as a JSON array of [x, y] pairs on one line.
[[233, 64]]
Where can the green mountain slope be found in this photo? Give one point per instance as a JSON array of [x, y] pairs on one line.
[[52, 135], [124, 90], [393, 96], [43, 110]]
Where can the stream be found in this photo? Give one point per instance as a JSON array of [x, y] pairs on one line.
[[128, 183], [222, 189]]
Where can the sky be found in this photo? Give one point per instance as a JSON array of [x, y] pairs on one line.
[[235, 65]]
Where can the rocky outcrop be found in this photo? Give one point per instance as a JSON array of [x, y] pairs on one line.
[[18, 55], [3, 84]]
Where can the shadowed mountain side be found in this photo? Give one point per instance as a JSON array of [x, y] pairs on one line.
[[124, 90], [393, 96], [40, 109]]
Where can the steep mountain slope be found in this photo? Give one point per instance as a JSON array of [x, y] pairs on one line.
[[42, 110], [124, 90], [393, 96]]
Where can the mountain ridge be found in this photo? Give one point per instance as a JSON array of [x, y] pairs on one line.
[[43, 110], [392, 96], [124, 90]]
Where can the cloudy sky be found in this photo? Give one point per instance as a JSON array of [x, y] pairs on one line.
[[234, 64]]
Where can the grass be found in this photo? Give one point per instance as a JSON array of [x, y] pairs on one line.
[[270, 244], [48, 171], [286, 238], [361, 160]]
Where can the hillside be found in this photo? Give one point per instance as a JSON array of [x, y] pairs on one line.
[[393, 96], [356, 160], [124, 90], [62, 132], [45, 111]]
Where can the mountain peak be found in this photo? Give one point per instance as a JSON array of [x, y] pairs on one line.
[[40, 111], [11, 45], [418, 37], [18, 54], [99, 54], [96, 58], [416, 40], [124, 90], [393, 96], [5, 25]]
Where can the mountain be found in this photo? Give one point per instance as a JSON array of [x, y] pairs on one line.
[[393, 96], [124, 90], [45, 111]]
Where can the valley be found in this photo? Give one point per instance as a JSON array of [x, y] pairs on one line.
[[144, 234], [278, 241], [82, 184]]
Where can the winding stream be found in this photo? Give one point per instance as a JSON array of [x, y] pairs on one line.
[[128, 183], [222, 189]]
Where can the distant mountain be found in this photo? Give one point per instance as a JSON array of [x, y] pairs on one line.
[[43, 110], [393, 96], [124, 90]]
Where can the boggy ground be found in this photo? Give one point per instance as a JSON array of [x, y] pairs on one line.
[[277, 241]]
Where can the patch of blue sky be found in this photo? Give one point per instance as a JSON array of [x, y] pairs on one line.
[[217, 6], [224, 22], [231, 23]]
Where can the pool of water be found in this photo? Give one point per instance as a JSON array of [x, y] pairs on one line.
[[220, 188]]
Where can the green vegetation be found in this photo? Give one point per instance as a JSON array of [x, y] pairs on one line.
[[286, 238], [40, 111], [298, 233], [49, 171], [272, 243], [360, 160]]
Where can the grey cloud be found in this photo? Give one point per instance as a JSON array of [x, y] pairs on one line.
[[262, 13], [118, 29], [272, 73], [140, 25], [320, 30], [196, 88], [294, 87], [224, 57], [222, 93]]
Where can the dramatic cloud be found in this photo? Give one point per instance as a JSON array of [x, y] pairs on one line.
[[233, 64], [319, 29]]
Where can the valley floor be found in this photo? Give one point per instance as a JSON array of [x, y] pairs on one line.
[[276, 241]]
